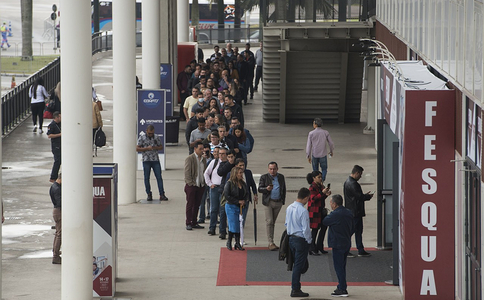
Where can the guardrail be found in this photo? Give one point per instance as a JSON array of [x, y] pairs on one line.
[[16, 103]]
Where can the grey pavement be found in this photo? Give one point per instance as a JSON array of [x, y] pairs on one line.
[[158, 258]]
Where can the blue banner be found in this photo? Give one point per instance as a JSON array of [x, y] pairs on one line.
[[166, 83], [151, 111]]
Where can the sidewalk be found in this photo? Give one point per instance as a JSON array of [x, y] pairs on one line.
[[158, 258]]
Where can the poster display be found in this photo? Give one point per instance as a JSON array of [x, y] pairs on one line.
[[166, 83], [151, 111]]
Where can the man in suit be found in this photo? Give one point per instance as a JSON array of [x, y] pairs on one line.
[[195, 165], [273, 188], [340, 223]]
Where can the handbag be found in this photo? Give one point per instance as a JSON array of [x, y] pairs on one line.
[[99, 105], [48, 114]]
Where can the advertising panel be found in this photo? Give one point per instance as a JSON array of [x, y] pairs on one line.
[[427, 196], [151, 111], [166, 83], [103, 249]]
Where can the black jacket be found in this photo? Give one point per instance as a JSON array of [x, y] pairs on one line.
[[224, 169], [231, 193], [354, 197], [265, 181], [55, 195], [191, 126], [285, 253]]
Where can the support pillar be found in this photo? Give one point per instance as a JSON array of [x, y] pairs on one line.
[[182, 20], [76, 78], [124, 93], [151, 44], [371, 97]]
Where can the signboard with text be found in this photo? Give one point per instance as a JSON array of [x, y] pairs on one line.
[[151, 111], [166, 83]]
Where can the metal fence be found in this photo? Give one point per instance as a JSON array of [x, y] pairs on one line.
[[225, 35], [16, 103]]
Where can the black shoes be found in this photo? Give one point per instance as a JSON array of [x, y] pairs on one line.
[[222, 236], [299, 293], [339, 293], [150, 197], [324, 252], [229, 245], [198, 227], [315, 253], [163, 198], [57, 260], [351, 255], [211, 232], [189, 227], [363, 254]]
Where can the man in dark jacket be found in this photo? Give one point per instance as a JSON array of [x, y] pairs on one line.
[[340, 223], [182, 84], [235, 108], [55, 197], [355, 202], [243, 68], [273, 188]]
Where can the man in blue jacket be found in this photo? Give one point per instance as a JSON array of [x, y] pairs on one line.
[[340, 223]]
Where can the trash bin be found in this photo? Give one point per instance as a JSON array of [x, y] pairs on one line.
[[172, 130]]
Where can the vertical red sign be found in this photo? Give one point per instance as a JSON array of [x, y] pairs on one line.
[[428, 186]]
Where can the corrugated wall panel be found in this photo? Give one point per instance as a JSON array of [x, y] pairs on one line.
[[271, 74]]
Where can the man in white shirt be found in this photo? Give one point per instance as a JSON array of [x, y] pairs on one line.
[[297, 224], [213, 180]]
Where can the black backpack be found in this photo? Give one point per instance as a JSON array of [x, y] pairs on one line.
[[100, 138]]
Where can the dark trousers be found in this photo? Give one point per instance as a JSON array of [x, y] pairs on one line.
[[339, 262], [358, 233], [258, 76], [250, 84], [57, 215], [194, 197], [57, 162], [38, 111], [318, 244], [202, 215], [183, 96], [299, 248]]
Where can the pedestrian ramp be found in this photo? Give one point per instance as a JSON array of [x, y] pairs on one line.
[[258, 266]]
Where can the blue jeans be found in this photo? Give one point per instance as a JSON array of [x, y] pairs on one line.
[[215, 195], [358, 222], [201, 216], [339, 262], [300, 249], [245, 209], [233, 213], [320, 162], [156, 166]]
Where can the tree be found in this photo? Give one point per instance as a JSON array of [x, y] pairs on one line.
[[26, 16]]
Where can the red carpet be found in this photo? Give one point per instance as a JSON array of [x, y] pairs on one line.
[[233, 269]]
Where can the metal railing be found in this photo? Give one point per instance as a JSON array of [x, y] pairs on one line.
[[16, 103], [237, 35]]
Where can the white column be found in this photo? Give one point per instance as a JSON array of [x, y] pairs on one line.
[[76, 128], [151, 44], [124, 107], [182, 20]]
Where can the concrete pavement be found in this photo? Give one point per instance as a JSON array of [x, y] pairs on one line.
[[158, 258]]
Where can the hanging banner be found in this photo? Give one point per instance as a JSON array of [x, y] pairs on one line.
[[151, 111], [166, 83], [427, 208]]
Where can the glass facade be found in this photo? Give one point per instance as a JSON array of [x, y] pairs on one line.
[[446, 33]]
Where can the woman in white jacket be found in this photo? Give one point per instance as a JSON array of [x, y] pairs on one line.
[[38, 94]]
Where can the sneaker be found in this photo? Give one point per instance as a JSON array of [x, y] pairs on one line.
[[150, 197], [339, 293], [273, 247], [35, 128], [363, 254], [40, 130], [351, 255], [163, 198]]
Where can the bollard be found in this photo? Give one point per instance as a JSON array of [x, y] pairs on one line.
[[9, 28]]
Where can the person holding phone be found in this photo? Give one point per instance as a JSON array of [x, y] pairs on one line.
[[317, 211], [355, 202], [273, 188]]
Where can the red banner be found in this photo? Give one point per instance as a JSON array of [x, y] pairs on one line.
[[427, 200]]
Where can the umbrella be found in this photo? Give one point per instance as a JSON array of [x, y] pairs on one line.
[[241, 221], [255, 224]]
